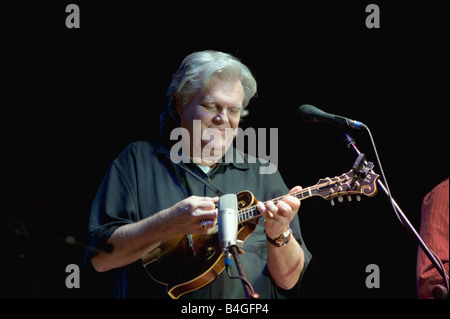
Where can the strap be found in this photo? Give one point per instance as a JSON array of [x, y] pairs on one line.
[[207, 183], [166, 154]]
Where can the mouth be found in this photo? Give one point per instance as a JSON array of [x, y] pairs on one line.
[[221, 129], [217, 134]]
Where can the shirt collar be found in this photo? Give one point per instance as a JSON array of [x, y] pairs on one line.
[[238, 158]]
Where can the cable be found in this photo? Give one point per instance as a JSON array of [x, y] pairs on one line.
[[384, 177], [404, 222], [251, 291]]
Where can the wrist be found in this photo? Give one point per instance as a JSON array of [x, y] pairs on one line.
[[281, 240]]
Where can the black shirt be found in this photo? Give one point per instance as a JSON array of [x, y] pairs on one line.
[[143, 180]]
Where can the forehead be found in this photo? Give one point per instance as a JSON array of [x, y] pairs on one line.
[[227, 91]]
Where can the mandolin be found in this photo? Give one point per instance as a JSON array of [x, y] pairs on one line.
[[185, 263]]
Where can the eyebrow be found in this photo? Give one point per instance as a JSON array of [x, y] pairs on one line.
[[239, 106]]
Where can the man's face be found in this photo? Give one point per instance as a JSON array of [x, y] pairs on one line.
[[219, 110]]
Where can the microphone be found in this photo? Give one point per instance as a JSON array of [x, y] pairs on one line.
[[228, 221], [309, 113], [228, 229]]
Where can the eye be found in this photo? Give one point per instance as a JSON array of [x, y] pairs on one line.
[[234, 110], [209, 107]]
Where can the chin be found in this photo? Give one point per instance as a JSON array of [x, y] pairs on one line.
[[213, 149]]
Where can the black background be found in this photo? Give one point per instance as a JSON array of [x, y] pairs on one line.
[[74, 98]]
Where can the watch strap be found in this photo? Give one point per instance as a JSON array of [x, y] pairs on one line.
[[281, 240]]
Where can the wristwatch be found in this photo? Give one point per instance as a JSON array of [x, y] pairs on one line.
[[281, 240]]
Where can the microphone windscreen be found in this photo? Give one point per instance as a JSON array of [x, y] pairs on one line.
[[308, 112], [228, 220]]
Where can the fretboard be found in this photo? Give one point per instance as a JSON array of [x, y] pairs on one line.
[[251, 212]]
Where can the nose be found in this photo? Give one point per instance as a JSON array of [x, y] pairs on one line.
[[221, 117]]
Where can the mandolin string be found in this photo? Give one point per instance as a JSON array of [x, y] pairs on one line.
[[243, 213], [252, 209]]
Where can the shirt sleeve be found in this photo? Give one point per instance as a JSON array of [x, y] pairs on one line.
[[434, 231], [114, 205]]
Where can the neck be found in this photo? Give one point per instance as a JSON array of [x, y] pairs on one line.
[[204, 162], [209, 161]]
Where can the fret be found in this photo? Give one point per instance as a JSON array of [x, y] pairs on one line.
[[251, 212], [303, 194], [247, 214]]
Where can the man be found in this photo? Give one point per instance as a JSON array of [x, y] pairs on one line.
[[434, 232], [149, 195]]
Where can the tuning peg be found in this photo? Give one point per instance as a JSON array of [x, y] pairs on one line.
[[349, 198], [358, 198], [340, 199], [332, 202]]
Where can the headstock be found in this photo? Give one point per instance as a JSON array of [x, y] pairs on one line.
[[362, 182]]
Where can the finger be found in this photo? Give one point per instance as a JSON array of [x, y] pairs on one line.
[[284, 208], [205, 214], [272, 207], [207, 203], [292, 201], [263, 210], [200, 198], [209, 199], [270, 210], [210, 223], [211, 215], [295, 189], [207, 221], [260, 206], [205, 224]]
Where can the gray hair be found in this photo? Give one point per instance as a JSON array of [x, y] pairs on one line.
[[196, 72]]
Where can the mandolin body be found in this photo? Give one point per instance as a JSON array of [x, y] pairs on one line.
[[186, 263]]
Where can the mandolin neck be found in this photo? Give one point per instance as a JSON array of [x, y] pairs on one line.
[[252, 212], [347, 184]]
